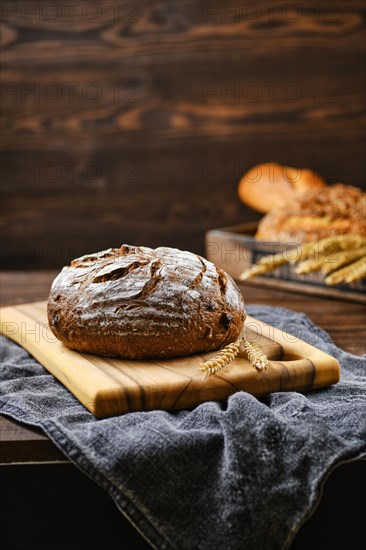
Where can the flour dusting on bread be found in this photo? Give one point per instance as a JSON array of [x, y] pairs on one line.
[[139, 302]]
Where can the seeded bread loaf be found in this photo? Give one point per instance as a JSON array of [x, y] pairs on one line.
[[334, 210], [138, 302]]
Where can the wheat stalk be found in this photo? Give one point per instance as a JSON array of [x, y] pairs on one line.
[[280, 258], [269, 263], [223, 358], [349, 274], [313, 255], [258, 359], [265, 265], [342, 258], [329, 261], [255, 355], [256, 270], [335, 243], [311, 264]]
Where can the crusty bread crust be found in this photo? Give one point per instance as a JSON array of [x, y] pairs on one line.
[[138, 302], [334, 210]]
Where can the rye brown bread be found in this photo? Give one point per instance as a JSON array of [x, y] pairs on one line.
[[138, 302]]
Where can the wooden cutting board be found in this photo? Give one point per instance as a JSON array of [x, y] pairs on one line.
[[110, 386]]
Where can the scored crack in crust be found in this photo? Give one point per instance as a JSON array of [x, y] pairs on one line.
[[335, 210], [138, 302]]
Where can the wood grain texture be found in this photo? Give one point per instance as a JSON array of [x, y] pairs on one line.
[[21, 444], [134, 123], [346, 323], [110, 386]]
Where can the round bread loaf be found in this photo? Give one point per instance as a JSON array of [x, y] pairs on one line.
[[271, 185], [137, 302], [334, 210]]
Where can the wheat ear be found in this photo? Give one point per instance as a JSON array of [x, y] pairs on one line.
[[264, 265], [335, 243], [223, 358], [256, 270], [269, 263], [315, 254], [342, 258], [255, 355], [349, 274], [258, 359], [311, 264], [332, 254]]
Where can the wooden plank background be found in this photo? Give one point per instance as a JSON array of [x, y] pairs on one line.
[[132, 122]]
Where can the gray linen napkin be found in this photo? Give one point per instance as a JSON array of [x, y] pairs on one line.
[[242, 474]]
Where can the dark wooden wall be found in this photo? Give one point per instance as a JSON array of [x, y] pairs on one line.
[[132, 122]]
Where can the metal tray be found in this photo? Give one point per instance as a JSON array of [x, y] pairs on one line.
[[235, 249]]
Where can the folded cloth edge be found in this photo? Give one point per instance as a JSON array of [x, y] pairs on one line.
[[129, 508]]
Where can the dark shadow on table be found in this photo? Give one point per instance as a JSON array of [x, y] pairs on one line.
[[55, 506]]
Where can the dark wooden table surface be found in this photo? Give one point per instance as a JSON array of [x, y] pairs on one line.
[[344, 321], [35, 475]]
